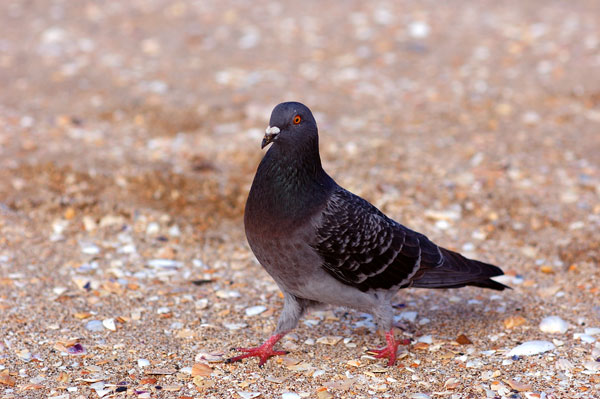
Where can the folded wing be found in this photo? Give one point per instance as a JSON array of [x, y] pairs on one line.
[[362, 247]]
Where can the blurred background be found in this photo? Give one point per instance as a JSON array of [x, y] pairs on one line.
[[166, 101], [163, 104], [131, 130]]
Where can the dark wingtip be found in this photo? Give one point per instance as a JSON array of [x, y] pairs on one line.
[[491, 284]]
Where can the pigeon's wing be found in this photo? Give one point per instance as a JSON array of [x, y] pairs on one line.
[[362, 247]]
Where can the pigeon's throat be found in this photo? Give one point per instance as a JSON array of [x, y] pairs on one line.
[[294, 186]]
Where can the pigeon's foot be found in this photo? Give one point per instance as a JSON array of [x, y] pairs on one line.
[[390, 350], [264, 352]]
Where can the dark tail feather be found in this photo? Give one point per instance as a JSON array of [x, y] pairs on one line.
[[491, 284], [458, 271]]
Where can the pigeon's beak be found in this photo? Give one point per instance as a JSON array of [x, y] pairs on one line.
[[271, 134]]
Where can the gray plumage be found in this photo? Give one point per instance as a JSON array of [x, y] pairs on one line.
[[323, 244]]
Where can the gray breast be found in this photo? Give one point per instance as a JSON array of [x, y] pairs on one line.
[[289, 260]]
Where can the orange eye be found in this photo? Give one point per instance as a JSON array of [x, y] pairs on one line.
[[297, 119]]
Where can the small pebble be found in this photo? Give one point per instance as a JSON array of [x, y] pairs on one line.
[[329, 340], [418, 29], [224, 294], [462, 339], [94, 325], [592, 365], [97, 385], [202, 303], [24, 355], [426, 339], [318, 373], [324, 395], [564, 364], [442, 224], [408, 316], [152, 229], [174, 231], [143, 363], [164, 263], [76, 349], [554, 324], [103, 392], [514, 321], [90, 249], [290, 395]]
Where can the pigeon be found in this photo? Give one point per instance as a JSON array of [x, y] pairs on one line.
[[325, 245]]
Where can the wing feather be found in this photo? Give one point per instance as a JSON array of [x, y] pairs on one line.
[[362, 247]]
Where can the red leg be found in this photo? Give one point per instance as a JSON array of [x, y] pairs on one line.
[[390, 350], [264, 352]]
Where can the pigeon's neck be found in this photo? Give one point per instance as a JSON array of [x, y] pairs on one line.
[[288, 188]]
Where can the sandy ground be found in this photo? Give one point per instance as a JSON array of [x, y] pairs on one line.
[[129, 135]]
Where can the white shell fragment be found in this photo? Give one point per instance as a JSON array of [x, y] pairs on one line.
[[419, 396], [329, 340], [592, 331], [164, 263], [109, 324], [235, 326], [531, 348], [418, 29], [585, 337], [409, 316], [554, 325], [255, 310], [89, 249], [248, 395]]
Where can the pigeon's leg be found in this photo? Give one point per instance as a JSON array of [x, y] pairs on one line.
[[384, 315], [390, 350], [293, 308]]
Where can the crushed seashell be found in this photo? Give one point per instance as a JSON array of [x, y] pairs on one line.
[[531, 348]]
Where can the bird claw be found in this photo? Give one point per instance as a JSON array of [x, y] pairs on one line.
[[263, 352], [386, 352], [389, 351]]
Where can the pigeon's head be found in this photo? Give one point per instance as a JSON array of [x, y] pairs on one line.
[[291, 123]]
